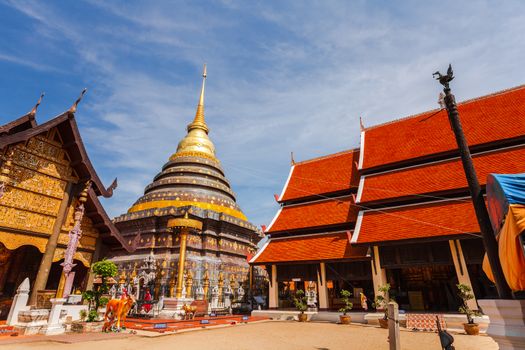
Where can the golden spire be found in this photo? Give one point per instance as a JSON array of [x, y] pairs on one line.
[[198, 121], [197, 142]]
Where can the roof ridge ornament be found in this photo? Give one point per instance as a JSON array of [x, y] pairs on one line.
[[73, 108], [361, 124], [33, 111], [199, 122]]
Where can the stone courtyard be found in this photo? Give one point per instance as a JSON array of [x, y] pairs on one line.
[[275, 335]]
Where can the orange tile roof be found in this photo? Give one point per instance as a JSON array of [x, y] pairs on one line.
[[430, 220], [332, 173], [442, 176], [486, 119], [314, 214], [332, 246]]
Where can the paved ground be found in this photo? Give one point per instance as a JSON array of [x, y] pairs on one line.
[[274, 335]]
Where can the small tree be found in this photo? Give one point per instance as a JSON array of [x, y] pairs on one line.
[[300, 301], [381, 300], [104, 269], [345, 295], [465, 293]]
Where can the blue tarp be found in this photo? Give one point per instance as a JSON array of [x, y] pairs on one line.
[[502, 191]]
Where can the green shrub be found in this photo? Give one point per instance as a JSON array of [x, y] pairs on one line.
[[300, 301], [345, 295], [381, 300], [83, 314], [92, 316], [103, 301], [465, 293]]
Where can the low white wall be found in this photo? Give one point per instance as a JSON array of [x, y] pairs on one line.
[[74, 311]]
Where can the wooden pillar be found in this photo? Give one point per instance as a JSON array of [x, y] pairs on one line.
[[94, 259], [47, 258], [378, 273], [461, 269], [273, 298], [322, 288]]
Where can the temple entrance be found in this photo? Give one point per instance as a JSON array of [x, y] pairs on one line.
[[292, 278], [422, 276], [355, 277], [15, 266]]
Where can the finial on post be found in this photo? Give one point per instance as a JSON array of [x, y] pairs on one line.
[[33, 111], [292, 160], [73, 108], [444, 79]]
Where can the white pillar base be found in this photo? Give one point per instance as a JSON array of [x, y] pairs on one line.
[[507, 322]]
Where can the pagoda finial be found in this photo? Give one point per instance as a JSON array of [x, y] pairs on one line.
[[33, 111], [198, 121]]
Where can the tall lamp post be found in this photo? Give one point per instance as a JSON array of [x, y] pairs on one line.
[[185, 225], [489, 239]]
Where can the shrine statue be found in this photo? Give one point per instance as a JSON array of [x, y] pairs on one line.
[[117, 309], [364, 305], [147, 297]]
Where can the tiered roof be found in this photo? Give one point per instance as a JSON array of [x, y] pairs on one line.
[[318, 214], [414, 160], [317, 247], [486, 119], [439, 177], [423, 221], [334, 173]]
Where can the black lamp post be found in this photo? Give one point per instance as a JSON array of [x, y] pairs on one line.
[[482, 215]]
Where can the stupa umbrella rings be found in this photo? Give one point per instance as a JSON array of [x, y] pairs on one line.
[[185, 224]]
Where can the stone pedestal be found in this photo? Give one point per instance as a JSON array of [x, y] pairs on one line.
[[53, 323], [507, 322], [32, 321], [173, 307]]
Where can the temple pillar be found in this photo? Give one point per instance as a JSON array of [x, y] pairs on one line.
[[47, 258], [461, 269], [322, 288], [273, 298], [378, 273], [94, 259]]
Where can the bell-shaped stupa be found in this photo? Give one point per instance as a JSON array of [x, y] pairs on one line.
[[191, 182]]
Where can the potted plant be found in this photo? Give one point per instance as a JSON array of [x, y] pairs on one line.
[[344, 318], [465, 293], [381, 303], [301, 305]]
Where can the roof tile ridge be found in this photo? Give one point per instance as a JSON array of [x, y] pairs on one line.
[[328, 156], [435, 110]]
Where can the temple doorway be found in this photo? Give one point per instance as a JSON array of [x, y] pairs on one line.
[[292, 278], [15, 266], [355, 277]]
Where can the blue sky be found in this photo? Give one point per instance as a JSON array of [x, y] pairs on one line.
[[282, 76]]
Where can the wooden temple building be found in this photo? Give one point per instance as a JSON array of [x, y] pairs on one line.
[[412, 217], [45, 169], [192, 182]]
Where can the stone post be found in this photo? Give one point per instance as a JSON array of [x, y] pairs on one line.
[[322, 287], [393, 326], [53, 323], [19, 302]]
